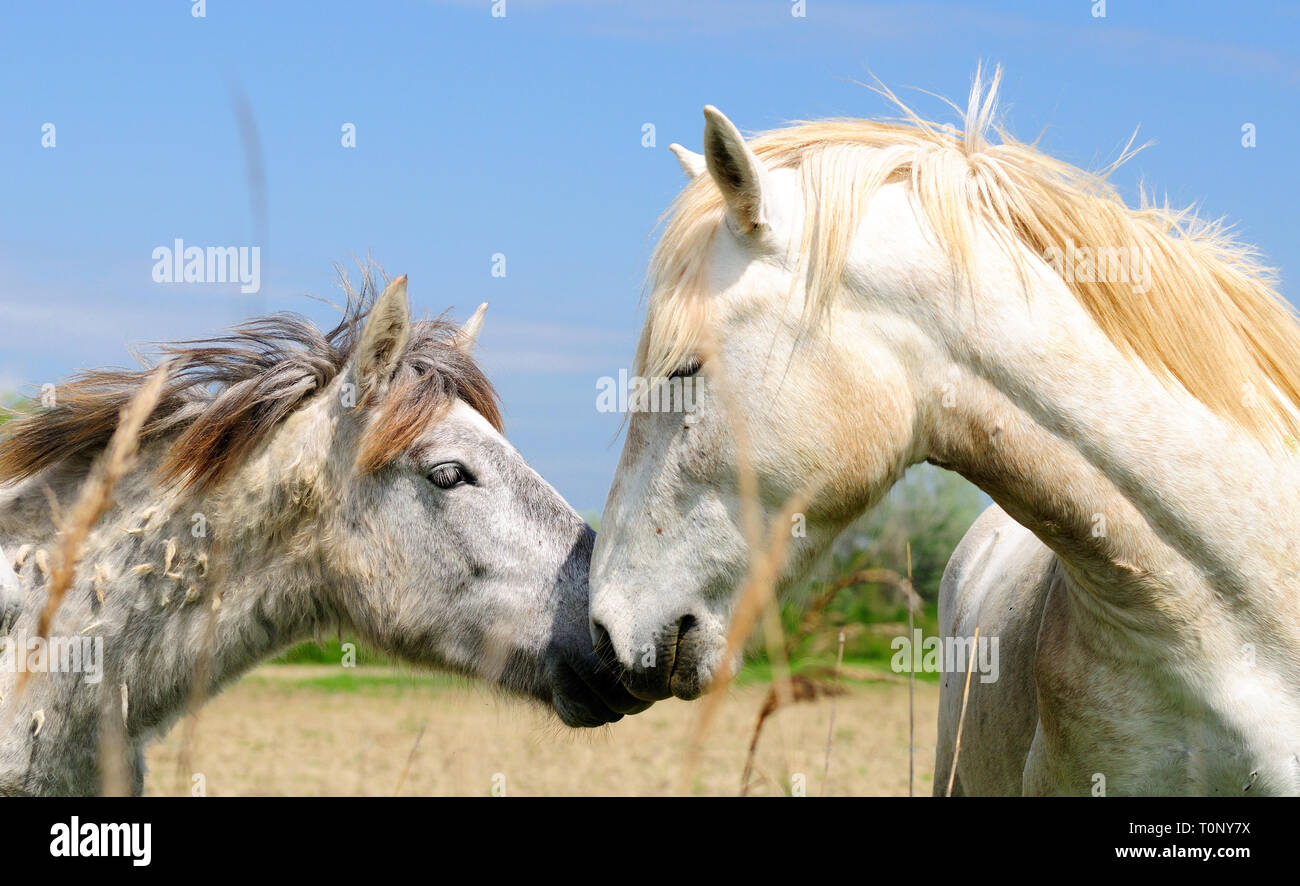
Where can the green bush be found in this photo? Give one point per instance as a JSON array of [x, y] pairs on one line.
[[328, 652], [931, 509]]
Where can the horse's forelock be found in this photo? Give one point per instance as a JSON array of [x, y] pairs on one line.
[[429, 378]]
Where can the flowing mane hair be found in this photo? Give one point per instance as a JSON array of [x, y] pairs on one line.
[[223, 396], [1211, 320]]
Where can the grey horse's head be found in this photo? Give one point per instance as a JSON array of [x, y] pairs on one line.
[[445, 547], [358, 477]]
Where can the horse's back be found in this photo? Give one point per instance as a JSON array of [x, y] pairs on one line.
[[998, 579]]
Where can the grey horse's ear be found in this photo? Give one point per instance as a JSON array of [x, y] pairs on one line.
[[737, 171], [467, 337], [387, 328]]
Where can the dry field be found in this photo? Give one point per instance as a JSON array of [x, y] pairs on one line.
[[311, 730]]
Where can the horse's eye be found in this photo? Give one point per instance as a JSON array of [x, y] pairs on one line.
[[690, 367], [449, 475]]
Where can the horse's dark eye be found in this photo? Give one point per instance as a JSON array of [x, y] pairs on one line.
[[690, 367], [449, 475]]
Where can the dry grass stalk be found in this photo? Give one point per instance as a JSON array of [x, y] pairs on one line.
[[410, 758], [830, 726], [96, 495], [812, 623], [198, 691], [756, 599], [802, 687], [911, 685], [814, 612], [961, 718], [214, 564]]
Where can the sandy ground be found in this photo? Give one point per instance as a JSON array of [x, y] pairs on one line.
[[293, 730]]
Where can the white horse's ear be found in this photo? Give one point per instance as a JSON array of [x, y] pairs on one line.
[[468, 334], [738, 173], [691, 162], [387, 328]]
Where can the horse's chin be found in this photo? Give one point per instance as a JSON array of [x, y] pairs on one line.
[[583, 695], [700, 674], [577, 714]]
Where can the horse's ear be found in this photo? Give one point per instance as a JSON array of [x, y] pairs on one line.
[[387, 327], [691, 162], [738, 173], [468, 334]]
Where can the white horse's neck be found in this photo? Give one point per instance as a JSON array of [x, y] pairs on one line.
[[1177, 532], [1130, 482]]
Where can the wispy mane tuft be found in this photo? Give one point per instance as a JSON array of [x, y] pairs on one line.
[[225, 395], [1211, 320]]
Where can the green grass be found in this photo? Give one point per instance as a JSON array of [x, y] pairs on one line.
[[364, 681], [328, 676], [758, 672]]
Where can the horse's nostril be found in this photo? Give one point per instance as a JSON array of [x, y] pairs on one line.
[[678, 642], [602, 647], [684, 627], [600, 638]]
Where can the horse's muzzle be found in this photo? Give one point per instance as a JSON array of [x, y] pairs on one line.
[[670, 666]]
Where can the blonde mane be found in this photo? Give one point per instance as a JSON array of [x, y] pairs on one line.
[[1210, 320]]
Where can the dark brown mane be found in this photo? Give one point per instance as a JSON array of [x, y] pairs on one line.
[[225, 395]]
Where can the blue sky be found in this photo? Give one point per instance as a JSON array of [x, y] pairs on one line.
[[523, 135]]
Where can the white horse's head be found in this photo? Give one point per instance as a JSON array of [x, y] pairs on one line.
[[856, 297], [819, 399]]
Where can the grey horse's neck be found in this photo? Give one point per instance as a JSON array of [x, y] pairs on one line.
[[172, 599]]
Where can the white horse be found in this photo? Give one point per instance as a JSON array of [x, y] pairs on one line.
[[289, 481], [859, 297]]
